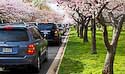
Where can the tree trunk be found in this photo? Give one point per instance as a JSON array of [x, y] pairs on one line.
[[108, 67], [93, 49], [0, 21], [81, 31], [111, 49], [78, 30], [85, 37]]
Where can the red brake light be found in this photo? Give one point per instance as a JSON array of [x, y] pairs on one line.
[[31, 49], [8, 28]]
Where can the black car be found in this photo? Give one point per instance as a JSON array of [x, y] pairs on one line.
[[51, 32], [21, 45]]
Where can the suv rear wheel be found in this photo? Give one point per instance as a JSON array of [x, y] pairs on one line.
[[46, 54], [36, 68]]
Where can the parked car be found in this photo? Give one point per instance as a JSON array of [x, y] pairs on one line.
[[51, 32], [61, 28], [22, 46], [67, 27]]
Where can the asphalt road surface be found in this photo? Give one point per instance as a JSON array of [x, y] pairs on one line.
[[52, 51]]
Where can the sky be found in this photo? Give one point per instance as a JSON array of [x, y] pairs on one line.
[[54, 6]]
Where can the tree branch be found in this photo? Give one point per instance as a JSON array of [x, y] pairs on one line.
[[100, 11], [112, 19], [118, 30], [105, 32], [76, 20], [101, 20], [117, 6], [87, 21], [105, 36]]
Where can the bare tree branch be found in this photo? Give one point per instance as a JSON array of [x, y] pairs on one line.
[[118, 30], [100, 11], [112, 19]]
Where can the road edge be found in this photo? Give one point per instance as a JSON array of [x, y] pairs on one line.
[[54, 68]]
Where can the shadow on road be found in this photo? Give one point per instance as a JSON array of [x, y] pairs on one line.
[[16, 72], [45, 67]]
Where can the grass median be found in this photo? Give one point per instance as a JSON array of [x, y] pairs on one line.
[[79, 60]]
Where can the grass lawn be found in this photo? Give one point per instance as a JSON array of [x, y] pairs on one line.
[[79, 60]]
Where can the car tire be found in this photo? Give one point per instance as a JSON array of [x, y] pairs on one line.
[[57, 43], [46, 54], [37, 67], [60, 41]]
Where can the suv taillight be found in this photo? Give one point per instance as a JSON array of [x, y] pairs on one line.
[[31, 49], [8, 28]]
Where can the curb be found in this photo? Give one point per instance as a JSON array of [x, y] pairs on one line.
[[54, 68], [62, 55]]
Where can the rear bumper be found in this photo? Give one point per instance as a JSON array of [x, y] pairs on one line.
[[17, 61], [56, 40]]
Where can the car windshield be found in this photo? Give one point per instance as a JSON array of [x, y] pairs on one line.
[[45, 26], [13, 35]]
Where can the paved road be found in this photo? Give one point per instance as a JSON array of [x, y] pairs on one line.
[[52, 51]]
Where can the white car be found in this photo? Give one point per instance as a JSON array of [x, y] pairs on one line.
[[62, 28]]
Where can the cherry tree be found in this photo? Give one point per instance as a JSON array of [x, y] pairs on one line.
[[24, 10], [103, 12], [46, 12], [81, 13], [115, 11], [16, 10], [112, 12]]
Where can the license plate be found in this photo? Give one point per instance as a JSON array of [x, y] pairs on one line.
[[7, 50], [45, 32]]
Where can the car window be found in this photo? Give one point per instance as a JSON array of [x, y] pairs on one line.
[[55, 26], [59, 25], [35, 33], [47, 26], [13, 35]]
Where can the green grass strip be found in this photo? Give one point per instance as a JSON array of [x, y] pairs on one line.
[[79, 60]]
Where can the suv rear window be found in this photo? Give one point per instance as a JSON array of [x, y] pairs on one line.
[[13, 35]]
